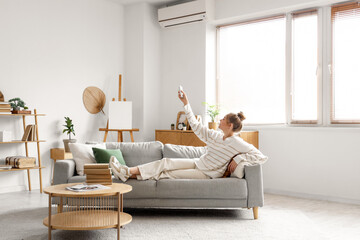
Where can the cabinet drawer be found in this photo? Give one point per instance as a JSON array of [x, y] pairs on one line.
[[171, 137], [190, 139]]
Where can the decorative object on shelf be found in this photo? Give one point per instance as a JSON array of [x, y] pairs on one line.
[[94, 100], [19, 106], [5, 108], [213, 111], [29, 133], [2, 99], [172, 126], [5, 136], [20, 161], [98, 174], [181, 126], [69, 129], [181, 120]]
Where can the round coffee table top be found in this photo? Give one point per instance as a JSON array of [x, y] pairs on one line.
[[114, 189]]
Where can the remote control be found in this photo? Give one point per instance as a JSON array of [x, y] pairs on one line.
[[181, 89]]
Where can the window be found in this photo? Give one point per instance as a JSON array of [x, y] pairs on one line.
[[251, 69], [271, 69], [304, 92], [345, 63]]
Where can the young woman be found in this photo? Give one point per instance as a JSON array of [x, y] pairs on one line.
[[222, 146]]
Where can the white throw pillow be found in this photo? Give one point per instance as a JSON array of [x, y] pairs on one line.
[[83, 154]]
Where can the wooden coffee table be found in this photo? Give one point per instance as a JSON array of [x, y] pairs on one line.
[[89, 210]]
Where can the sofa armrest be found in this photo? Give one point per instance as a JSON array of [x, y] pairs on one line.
[[254, 180], [63, 170]]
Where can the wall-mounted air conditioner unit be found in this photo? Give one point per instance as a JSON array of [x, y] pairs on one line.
[[185, 13]]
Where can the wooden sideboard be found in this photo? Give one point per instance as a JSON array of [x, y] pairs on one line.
[[188, 138]]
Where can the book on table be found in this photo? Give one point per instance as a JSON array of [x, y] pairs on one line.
[[97, 171], [96, 166]]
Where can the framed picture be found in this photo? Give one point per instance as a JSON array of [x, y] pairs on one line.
[[181, 118]]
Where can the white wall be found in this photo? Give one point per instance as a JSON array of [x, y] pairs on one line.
[[183, 63], [134, 64], [321, 163], [152, 73], [142, 68], [50, 51]]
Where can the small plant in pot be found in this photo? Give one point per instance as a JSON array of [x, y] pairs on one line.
[[213, 111], [69, 129], [18, 106]]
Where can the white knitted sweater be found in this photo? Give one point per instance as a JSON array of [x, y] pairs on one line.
[[219, 151]]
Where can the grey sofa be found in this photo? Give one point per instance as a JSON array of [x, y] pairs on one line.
[[177, 193]]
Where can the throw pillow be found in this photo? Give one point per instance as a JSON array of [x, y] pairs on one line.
[[82, 154], [104, 155]]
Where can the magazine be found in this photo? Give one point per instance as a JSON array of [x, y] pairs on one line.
[[86, 187]]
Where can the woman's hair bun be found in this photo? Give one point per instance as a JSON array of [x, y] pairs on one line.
[[241, 116]]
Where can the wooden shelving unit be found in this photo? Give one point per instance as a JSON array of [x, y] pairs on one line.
[[39, 167]]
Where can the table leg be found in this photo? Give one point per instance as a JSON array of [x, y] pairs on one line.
[[122, 205], [60, 206], [49, 218], [118, 233]]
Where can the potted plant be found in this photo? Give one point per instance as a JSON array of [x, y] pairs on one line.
[[69, 129], [16, 105], [213, 111]]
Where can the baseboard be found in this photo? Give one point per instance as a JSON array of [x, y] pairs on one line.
[[18, 188], [312, 196]]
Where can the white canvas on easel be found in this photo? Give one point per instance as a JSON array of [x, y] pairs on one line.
[[120, 115]]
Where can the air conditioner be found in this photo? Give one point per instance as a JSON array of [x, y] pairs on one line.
[[185, 13]]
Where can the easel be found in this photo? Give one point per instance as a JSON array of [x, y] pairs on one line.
[[119, 131]]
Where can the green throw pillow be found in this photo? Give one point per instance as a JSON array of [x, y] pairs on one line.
[[104, 155]]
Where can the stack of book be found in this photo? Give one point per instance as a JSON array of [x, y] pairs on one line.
[[98, 174], [29, 133], [5, 108], [20, 161]]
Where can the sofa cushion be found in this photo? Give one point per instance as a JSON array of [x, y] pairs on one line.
[[138, 153], [104, 155], [218, 188], [83, 154], [178, 151], [141, 189]]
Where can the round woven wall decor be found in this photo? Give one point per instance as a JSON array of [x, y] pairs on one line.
[[94, 99]]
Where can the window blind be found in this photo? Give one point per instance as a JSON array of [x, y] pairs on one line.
[[345, 84]]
